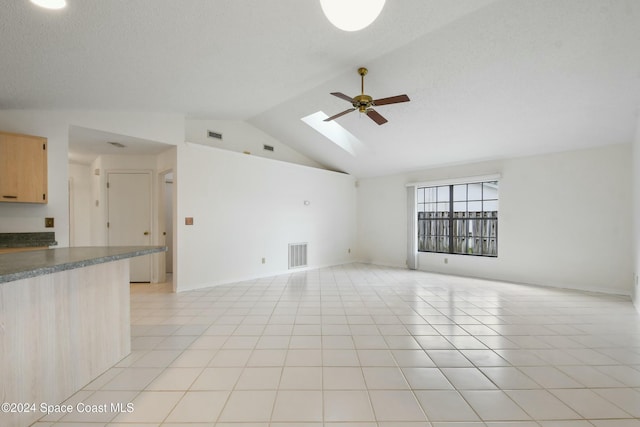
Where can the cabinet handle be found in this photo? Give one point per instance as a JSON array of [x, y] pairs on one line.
[[9, 197], [146, 233]]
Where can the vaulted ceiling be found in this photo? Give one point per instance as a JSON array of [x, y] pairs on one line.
[[487, 78]]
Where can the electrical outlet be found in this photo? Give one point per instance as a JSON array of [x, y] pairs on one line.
[[446, 260], [48, 223], [188, 221], [349, 251], [264, 260]]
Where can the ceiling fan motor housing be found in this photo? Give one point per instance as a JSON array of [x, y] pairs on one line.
[[362, 102]]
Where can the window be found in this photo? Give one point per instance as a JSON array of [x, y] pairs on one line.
[[459, 219]]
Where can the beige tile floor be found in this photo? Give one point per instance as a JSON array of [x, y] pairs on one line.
[[367, 346]]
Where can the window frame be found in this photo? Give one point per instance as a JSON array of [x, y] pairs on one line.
[[437, 219]]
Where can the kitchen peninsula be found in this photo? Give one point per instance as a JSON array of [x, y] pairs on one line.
[[64, 319]]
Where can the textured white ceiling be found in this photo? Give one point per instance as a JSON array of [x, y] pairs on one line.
[[487, 78], [87, 144]]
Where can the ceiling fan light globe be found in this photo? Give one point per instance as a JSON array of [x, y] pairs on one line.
[[352, 15]]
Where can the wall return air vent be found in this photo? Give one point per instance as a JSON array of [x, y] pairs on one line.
[[297, 255], [214, 135]]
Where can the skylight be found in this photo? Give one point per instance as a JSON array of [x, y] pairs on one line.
[[334, 132], [50, 4]]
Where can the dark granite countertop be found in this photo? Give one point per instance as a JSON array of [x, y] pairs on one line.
[[23, 265], [27, 240]]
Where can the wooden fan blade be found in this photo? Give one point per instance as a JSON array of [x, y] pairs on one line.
[[342, 96], [391, 100], [376, 117], [339, 115]]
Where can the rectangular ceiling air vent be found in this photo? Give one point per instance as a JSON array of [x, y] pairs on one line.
[[268, 147], [215, 135]]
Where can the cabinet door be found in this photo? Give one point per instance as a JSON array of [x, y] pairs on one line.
[[23, 168]]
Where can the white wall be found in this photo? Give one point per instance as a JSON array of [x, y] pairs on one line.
[[636, 216], [80, 178], [240, 136], [583, 243], [54, 125], [246, 208], [98, 201], [382, 220]]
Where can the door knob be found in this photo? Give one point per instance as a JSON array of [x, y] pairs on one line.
[[146, 233]]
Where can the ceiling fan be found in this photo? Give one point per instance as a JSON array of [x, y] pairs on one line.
[[364, 103]]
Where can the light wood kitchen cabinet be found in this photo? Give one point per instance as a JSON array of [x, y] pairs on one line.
[[23, 168]]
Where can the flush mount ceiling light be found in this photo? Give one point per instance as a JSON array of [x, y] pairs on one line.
[[352, 15], [50, 4]]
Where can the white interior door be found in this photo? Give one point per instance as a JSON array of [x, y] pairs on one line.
[[129, 217]]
